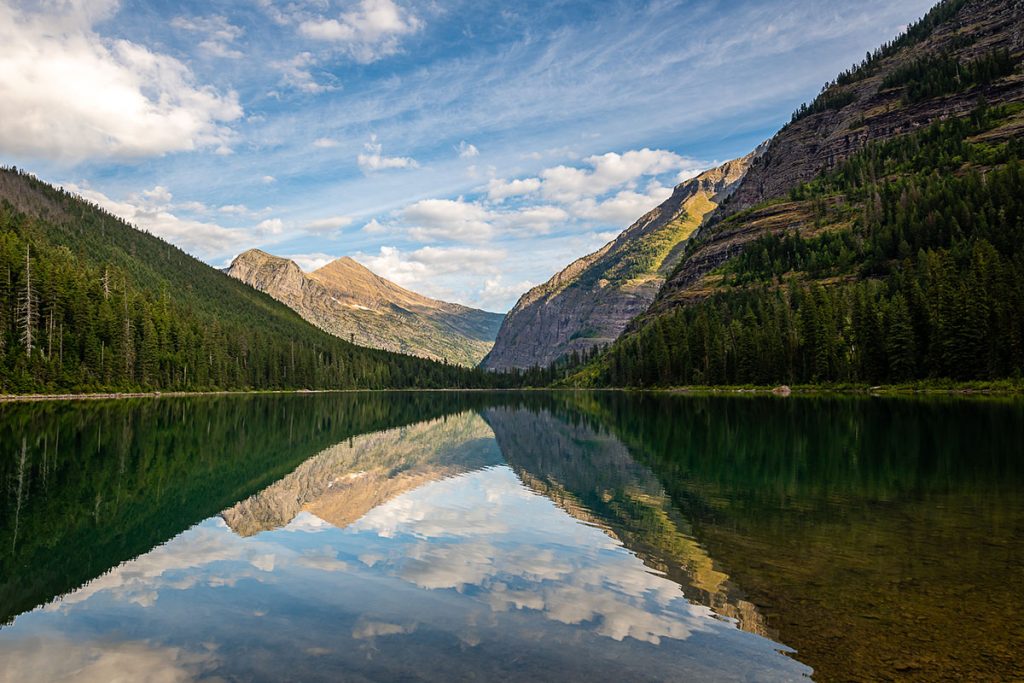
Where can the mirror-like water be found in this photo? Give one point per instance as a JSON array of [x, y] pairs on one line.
[[535, 536]]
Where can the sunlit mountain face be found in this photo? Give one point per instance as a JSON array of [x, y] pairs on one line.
[[516, 536]]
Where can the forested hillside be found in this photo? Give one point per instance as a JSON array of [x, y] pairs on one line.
[[899, 260], [90, 303]]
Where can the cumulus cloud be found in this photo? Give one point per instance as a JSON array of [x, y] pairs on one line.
[[325, 143], [500, 190], [374, 227], [373, 158], [367, 33], [311, 262], [420, 268], [608, 172], [431, 220], [70, 94], [533, 219], [448, 219], [496, 293], [447, 273], [217, 34], [271, 226], [467, 151], [623, 207], [154, 211]]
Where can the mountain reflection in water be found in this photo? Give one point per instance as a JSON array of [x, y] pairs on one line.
[[522, 537]]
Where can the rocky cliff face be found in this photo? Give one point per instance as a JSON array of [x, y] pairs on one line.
[[348, 300], [818, 142], [590, 302]]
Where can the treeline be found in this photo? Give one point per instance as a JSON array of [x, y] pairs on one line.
[[89, 303], [830, 99], [915, 33], [928, 284], [935, 75]]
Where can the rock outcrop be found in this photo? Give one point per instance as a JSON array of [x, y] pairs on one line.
[[348, 300], [591, 302]]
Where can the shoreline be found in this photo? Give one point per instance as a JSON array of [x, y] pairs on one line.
[[966, 390]]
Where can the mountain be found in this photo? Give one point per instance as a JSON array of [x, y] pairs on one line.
[[593, 477], [345, 481], [876, 239], [90, 303], [349, 301], [590, 302]]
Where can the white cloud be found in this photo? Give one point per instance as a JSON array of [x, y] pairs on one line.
[[448, 219], [152, 210], [430, 220], [271, 226], [495, 293], [534, 219], [420, 269], [622, 208], [374, 227], [99, 661], [311, 262], [328, 225], [374, 160], [297, 73], [218, 32], [608, 172], [68, 93], [325, 143], [367, 33], [500, 190], [365, 629], [467, 150], [237, 209], [268, 180]]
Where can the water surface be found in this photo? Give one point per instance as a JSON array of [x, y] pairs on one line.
[[531, 536]]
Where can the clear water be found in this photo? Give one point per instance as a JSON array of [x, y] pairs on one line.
[[511, 537]]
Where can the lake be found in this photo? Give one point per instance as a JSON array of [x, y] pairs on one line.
[[512, 536]]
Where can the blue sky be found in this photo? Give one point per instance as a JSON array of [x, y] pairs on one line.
[[467, 150]]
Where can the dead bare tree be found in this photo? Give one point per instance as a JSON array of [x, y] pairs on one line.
[[29, 312]]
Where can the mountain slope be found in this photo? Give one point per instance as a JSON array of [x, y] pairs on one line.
[[91, 303], [349, 301], [870, 103], [345, 481], [876, 240], [590, 302]]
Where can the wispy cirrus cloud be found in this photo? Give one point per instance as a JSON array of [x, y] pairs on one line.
[[217, 34], [372, 158], [539, 133], [368, 32]]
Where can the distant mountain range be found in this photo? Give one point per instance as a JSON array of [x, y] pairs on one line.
[[349, 301]]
